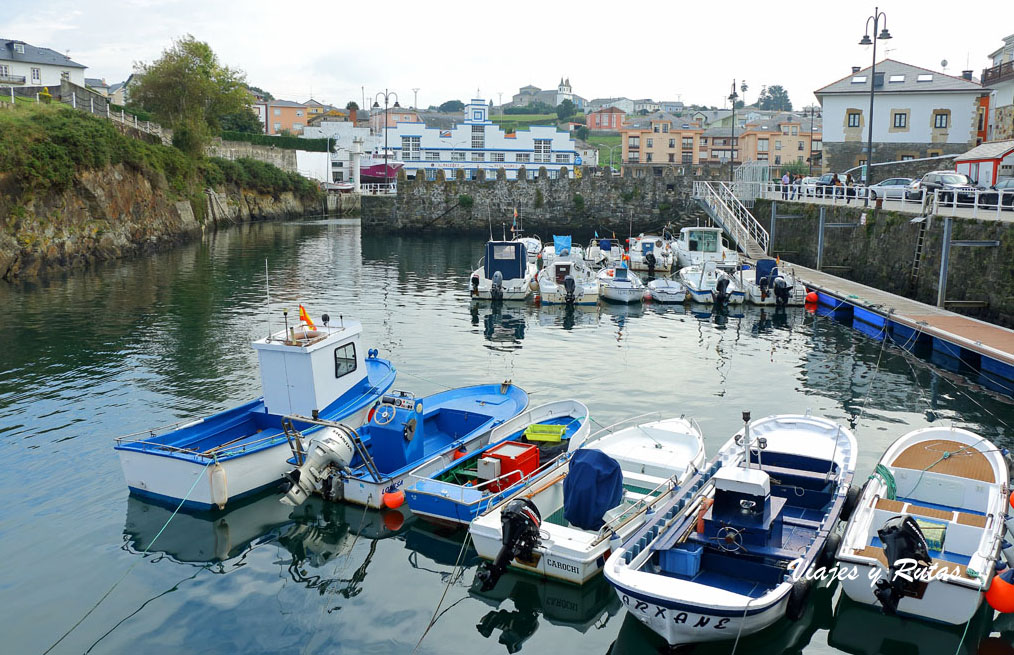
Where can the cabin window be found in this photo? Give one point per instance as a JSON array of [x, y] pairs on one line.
[[344, 359], [503, 252]]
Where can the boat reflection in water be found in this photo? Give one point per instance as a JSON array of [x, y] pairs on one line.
[[568, 317], [500, 326], [865, 630], [785, 636], [583, 608]]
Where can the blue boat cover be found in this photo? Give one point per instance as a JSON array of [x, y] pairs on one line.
[[561, 245], [764, 268], [508, 257], [647, 246], [606, 244], [593, 486]]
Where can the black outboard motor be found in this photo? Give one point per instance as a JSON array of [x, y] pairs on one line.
[[475, 285], [782, 290], [569, 287], [765, 282], [903, 543], [496, 288], [520, 522], [650, 260], [721, 292]]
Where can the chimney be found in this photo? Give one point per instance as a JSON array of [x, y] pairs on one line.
[[352, 115], [966, 75], [856, 69]]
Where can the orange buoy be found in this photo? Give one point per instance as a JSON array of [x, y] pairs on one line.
[[811, 297], [393, 499], [393, 520], [1010, 500], [459, 453], [1000, 594]]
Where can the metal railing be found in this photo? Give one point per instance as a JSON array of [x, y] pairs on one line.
[[12, 79], [998, 73], [735, 218], [378, 189]]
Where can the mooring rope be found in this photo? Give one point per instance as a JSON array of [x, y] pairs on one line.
[[450, 580]]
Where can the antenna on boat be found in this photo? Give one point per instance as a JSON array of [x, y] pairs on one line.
[[489, 219], [267, 295], [746, 436]]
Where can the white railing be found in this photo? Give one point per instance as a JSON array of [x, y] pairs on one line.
[[735, 218], [378, 189]]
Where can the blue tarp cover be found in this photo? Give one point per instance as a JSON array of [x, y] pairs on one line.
[[561, 245], [764, 268], [606, 244], [593, 486]]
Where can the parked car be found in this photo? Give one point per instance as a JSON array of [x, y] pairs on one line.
[[950, 185], [808, 186], [823, 184], [892, 188], [1004, 189]]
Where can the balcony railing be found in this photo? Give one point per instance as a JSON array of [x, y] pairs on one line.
[[1004, 71], [12, 79]]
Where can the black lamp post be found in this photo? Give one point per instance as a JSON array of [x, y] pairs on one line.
[[386, 95], [809, 159], [733, 97], [866, 40]]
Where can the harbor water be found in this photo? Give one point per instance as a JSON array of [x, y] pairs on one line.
[[148, 342]]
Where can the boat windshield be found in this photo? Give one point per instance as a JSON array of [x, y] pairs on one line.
[[703, 241]]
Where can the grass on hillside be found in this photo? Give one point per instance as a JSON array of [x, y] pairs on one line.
[[603, 143], [514, 122]]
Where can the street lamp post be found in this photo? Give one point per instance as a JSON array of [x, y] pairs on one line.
[[809, 159], [611, 148], [733, 97], [884, 35], [386, 95]]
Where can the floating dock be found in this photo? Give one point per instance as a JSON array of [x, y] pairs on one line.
[[981, 346]]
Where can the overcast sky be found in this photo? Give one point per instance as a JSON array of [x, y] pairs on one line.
[[660, 50]]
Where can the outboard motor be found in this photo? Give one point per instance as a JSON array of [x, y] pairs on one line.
[[765, 282], [475, 285], [496, 289], [569, 287], [782, 289], [650, 260], [519, 522], [903, 543], [721, 292], [331, 446]]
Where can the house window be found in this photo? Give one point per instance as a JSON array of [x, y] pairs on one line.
[[37, 77], [940, 121], [523, 157], [633, 158], [297, 127], [854, 118], [5, 71], [278, 112], [19, 48], [278, 127], [654, 128], [478, 136], [432, 155], [778, 144], [497, 156], [633, 142], [778, 159], [431, 174], [410, 148], [907, 158], [478, 156], [650, 143], [562, 159], [542, 148], [762, 145], [299, 112], [457, 156], [688, 143], [688, 158], [665, 128], [704, 140], [672, 143], [344, 359], [648, 157], [900, 119], [672, 158], [800, 146]]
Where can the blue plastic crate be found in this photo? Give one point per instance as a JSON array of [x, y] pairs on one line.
[[684, 560]]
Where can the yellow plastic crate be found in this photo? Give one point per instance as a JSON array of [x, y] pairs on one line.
[[540, 432]]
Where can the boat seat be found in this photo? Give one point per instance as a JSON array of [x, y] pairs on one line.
[[779, 471], [963, 533], [878, 554]]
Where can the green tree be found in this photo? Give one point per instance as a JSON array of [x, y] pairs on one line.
[[264, 94], [565, 110], [190, 91], [245, 121], [581, 133], [451, 106], [774, 98], [795, 168], [352, 105]]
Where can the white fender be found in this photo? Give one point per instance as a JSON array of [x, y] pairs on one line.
[[219, 485]]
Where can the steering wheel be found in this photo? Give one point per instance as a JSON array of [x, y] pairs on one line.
[[384, 415], [730, 539]]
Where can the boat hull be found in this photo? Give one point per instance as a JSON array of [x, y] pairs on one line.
[[621, 294], [797, 296]]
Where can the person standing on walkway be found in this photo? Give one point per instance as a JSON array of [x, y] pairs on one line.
[[849, 187], [785, 186], [797, 182]]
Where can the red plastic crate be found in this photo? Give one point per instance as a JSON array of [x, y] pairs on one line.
[[517, 461]]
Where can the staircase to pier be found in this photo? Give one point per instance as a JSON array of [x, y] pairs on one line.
[[728, 212]]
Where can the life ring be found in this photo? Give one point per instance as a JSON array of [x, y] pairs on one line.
[[612, 272]]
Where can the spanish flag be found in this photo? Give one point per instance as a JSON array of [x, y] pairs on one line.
[[305, 318]]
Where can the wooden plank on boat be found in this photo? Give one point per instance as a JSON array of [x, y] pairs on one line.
[[890, 505], [974, 520], [946, 457], [929, 512]]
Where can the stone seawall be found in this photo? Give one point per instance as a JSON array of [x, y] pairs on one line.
[[881, 252], [280, 157], [638, 201]]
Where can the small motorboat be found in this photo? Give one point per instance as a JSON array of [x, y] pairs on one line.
[[603, 252], [561, 247], [497, 465], [562, 523], [504, 272], [770, 284], [665, 290], [567, 280], [736, 548], [928, 528], [706, 283], [651, 253], [305, 370], [697, 245], [363, 465], [620, 284], [533, 246]]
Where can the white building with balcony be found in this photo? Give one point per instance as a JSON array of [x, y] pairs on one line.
[[479, 144], [23, 64]]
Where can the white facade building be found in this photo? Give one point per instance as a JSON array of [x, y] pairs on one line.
[[23, 64], [341, 134], [478, 143], [999, 78]]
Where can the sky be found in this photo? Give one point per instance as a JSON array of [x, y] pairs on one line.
[[675, 50]]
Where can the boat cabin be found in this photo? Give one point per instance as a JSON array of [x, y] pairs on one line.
[[509, 258], [706, 240]]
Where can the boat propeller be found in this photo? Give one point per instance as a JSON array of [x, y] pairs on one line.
[[519, 522]]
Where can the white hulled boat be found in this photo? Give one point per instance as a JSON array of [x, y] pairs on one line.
[[651, 252], [697, 245], [706, 283], [667, 291], [770, 284], [602, 252], [504, 272], [567, 280], [620, 284]]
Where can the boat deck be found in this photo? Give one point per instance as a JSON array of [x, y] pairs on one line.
[[946, 457]]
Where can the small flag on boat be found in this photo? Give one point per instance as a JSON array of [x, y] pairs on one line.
[[515, 213], [304, 317], [596, 234]]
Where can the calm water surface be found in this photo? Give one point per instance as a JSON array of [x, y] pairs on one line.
[[144, 343]]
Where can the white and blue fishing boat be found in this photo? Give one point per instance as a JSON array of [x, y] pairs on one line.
[[708, 284], [620, 284], [497, 465], [321, 372], [697, 245], [735, 549], [364, 465], [565, 279], [504, 272], [768, 283]]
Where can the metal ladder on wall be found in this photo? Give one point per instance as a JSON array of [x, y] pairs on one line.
[[917, 259], [720, 202]]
